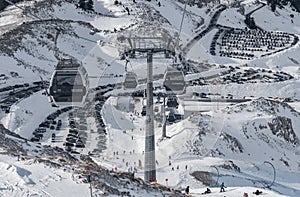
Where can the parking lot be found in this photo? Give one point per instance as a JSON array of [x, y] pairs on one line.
[[76, 129], [247, 44], [9, 95]]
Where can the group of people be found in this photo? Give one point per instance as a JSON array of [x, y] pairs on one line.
[[222, 189], [187, 190]]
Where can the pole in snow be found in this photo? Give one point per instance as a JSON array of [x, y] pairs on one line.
[[88, 180], [150, 166], [164, 127]]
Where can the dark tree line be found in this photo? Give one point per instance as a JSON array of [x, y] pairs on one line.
[[4, 4], [86, 4], [272, 4], [296, 4], [281, 3], [250, 22]]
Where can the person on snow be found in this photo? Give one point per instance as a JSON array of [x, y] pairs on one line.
[[187, 190], [127, 9], [222, 187], [257, 192], [207, 191]]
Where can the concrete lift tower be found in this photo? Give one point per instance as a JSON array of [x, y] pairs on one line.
[[159, 43]]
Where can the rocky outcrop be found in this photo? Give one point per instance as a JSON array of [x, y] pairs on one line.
[[229, 165], [282, 127], [203, 176], [8, 145], [232, 143]]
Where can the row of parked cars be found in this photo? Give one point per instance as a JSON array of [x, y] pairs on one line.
[[100, 99], [77, 128], [15, 94], [14, 87], [50, 123], [77, 133], [250, 75], [101, 128]]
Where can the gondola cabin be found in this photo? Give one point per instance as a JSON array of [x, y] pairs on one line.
[[69, 83], [174, 81], [130, 81], [172, 101]]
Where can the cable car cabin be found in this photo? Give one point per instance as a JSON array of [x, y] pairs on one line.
[[69, 83], [172, 102], [171, 119], [174, 118], [130, 81], [174, 81]]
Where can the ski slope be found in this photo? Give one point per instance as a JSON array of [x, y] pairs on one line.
[[199, 143]]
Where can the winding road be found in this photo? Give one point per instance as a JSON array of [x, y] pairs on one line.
[[212, 25], [248, 16]]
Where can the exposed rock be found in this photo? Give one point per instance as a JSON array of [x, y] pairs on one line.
[[229, 165], [203, 176], [282, 127], [12, 147], [232, 143]]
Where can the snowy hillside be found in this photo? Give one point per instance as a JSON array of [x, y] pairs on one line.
[[29, 169], [269, 124], [237, 121]]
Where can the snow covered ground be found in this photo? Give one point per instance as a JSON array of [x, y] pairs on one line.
[[27, 178], [202, 142]]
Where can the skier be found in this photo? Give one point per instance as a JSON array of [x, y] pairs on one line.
[[187, 190], [222, 187]]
